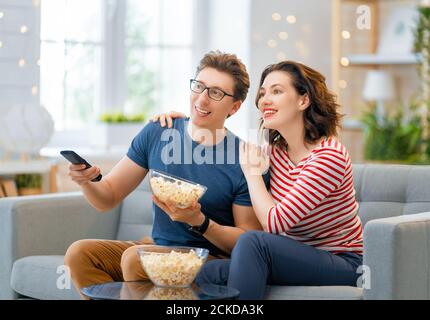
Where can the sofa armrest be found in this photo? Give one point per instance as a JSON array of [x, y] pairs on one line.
[[47, 225], [397, 254]]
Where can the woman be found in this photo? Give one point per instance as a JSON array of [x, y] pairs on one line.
[[312, 234]]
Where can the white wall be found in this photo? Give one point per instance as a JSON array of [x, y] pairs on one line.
[[229, 29], [16, 82], [309, 39]]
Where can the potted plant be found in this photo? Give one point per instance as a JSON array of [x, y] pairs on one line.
[[116, 129], [396, 139], [29, 184]]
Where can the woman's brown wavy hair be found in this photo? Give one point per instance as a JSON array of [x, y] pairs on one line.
[[321, 118]]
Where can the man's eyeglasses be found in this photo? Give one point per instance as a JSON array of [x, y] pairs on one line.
[[213, 93]]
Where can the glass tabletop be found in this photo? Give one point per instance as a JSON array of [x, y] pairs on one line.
[[146, 290]]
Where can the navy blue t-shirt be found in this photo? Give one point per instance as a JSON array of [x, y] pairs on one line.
[[216, 167]]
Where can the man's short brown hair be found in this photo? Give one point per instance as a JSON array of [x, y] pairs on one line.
[[230, 64]]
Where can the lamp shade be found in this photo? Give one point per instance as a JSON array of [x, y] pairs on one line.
[[425, 3], [378, 86]]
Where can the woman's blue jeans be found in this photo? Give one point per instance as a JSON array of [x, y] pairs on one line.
[[260, 258]]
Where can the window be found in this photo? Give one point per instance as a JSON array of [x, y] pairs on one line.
[[158, 54], [71, 48], [151, 74]]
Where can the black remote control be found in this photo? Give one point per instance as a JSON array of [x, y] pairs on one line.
[[74, 158]]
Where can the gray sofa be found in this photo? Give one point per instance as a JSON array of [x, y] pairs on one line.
[[394, 206]]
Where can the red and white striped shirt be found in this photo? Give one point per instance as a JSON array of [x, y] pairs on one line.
[[315, 199]]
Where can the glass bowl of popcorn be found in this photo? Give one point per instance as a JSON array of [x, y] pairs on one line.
[[163, 293], [180, 191], [172, 266]]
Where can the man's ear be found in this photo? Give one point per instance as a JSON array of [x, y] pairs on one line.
[[304, 102], [235, 108]]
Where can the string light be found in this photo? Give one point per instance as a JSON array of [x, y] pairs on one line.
[[1, 44], [281, 56], [301, 48], [343, 84], [24, 29], [307, 29], [21, 62], [276, 16], [291, 19], [257, 37], [34, 90], [346, 34], [272, 43], [283, 35], [344, 61]]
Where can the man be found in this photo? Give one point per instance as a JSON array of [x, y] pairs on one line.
[[224, 212]]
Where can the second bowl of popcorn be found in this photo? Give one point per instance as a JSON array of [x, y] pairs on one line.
[[180, 191], [172, 266]]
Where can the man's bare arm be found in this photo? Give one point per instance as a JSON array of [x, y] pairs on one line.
[[114, 187]]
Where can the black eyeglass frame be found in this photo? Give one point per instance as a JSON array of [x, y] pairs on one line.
[[208, 88]]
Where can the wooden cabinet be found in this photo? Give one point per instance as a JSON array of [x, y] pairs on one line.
[[46, 168]]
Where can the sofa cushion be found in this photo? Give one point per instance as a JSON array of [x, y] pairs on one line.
[[36, 277], [391, 190], [136, 214], [314, 293]]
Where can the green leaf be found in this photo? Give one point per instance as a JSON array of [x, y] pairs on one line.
[[119, 117], [397, 139]]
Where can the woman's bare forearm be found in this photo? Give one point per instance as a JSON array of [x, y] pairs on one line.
[[261, 199], [223, 237]]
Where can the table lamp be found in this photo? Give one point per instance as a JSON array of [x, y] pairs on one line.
[[378, 87]]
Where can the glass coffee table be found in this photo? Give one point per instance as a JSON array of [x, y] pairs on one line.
[[146, 290]]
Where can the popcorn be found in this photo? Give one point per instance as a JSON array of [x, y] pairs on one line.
[[184, 194], [159, 293], [174, 269]]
